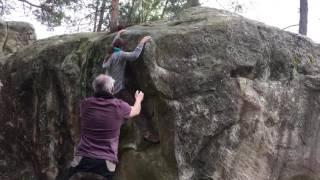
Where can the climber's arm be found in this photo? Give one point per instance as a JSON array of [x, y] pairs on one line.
[[118, 35], [132, 56], [106, 62]]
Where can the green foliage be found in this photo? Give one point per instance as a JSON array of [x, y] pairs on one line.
[[5, 7], [140, 11], [236, 6], [134, 12], [94, 15], [49, 12]]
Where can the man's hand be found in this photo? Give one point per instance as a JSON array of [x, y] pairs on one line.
[[139, 96], [145, 39], [1, 85], [136, 108]]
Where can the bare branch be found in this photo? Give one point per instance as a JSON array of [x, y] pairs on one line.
[[290, 26], [31, 4]]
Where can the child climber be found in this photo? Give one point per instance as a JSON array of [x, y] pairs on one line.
[[115, 64]]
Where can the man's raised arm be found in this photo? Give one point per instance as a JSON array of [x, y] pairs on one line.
[[1, 85], [136, 108]]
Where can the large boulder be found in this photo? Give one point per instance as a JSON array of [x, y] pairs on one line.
[[231, 98], [14, 36]]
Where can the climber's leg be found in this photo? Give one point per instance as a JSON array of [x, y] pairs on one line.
[[90, 165], [70, 173], [96, 166]]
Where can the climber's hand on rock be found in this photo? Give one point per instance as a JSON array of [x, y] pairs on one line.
[[145, 39], [139, 96], [122, 31]]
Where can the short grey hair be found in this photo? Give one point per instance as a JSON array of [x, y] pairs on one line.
[[103, 83]]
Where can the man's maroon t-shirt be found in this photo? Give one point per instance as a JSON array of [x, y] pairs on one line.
[[101, 120]]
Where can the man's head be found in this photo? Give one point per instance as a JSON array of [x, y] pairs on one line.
[[103, 84]]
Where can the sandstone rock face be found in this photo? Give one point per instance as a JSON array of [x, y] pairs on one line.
[[14, 36], [232, 99]]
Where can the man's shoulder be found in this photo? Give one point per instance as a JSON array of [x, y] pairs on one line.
[[93, 100], [118, 101], [100, 99], [88, 99]]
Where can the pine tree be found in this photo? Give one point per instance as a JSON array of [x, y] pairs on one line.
[[303, 24]]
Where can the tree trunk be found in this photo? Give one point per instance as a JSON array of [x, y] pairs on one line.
[[303, 24], [140, 11], [96, 15], [114, 21], [101, 16], [192, 3], [164, 9], [129, 20]]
